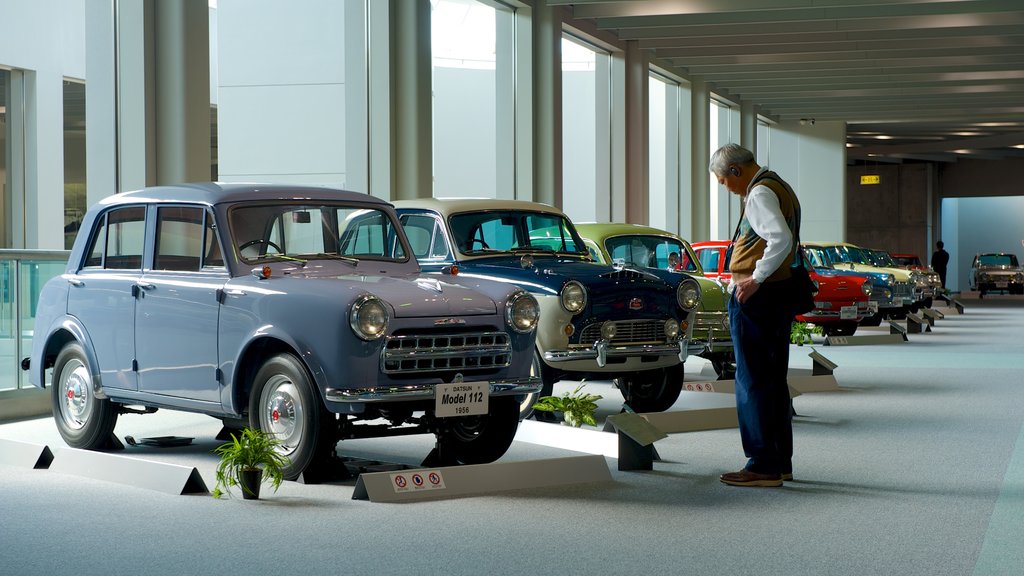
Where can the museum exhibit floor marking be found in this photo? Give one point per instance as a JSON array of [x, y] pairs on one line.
[[160, 476], [458, 481], [24, 455]]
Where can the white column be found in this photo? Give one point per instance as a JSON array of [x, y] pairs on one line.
[[637, 134], [411, 95], [182, 97], [100, 101], [748, 126], [700, 213], [547, 104]]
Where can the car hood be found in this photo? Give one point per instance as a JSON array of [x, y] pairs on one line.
[[410, 296], [549, 274]]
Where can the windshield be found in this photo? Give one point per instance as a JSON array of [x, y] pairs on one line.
[[515, 231], [880, 258], [907, 260], [818, 257], [651, 252], [997, 260], [289, 231], [849, 254]]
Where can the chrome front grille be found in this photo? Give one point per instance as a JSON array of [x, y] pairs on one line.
[[438, 352], [627, 332], [903, 290], [713, 323]]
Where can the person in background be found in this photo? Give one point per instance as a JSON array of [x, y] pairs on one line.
[[763, 251], [940, 259]]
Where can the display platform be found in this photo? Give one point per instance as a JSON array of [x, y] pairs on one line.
[[148, 474], [25, 455], [460, 481]]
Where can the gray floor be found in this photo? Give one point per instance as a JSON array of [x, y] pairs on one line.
[[913, 467]]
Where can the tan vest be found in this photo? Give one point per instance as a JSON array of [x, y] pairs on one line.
[[748, 247]]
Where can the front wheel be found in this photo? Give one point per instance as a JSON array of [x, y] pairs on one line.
[[724, 365], [482, 439], [285, 402], [842, 328], [652, 390], [527, 401], [83, 420]]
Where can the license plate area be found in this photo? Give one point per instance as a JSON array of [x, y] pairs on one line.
[[461, 399], [848, 313]]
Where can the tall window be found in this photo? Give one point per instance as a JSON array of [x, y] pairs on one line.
[[586, 125], [74, 160], [472, 98], [669, 151], [6, 151]]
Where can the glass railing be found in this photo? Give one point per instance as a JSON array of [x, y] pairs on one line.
[[22, 275]]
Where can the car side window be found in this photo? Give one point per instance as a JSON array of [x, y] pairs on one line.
[[119, 239], [179, 238], [213, 256]]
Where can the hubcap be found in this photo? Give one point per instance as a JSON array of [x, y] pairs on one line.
[[76, 390], [282, 413]]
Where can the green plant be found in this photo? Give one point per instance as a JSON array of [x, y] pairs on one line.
[[800, 333], [577, 408], [253, 449]]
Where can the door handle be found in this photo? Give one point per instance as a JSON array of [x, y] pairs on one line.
[[140, 286], [75, 282]]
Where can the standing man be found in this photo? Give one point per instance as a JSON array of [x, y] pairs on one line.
[[940, 259], [760, 314]]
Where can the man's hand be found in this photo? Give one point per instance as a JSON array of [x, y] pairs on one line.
[[745, 288]]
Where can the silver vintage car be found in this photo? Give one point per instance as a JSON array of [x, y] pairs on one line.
[[996, 272], [297, 310]]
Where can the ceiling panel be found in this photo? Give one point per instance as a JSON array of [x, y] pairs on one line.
[[913, 79]]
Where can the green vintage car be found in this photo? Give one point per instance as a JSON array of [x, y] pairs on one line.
[[667, 255]]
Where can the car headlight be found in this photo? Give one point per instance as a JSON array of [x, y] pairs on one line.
[[671, 329], [688, 294], [573, 297], [866, 289], [368, 317], [608, 331], [522, 312]]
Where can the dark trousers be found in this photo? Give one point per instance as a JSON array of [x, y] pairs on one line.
[[760, 335]]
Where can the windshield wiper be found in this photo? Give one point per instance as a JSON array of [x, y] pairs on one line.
[[481, 251], [531, 250], [334, 256], [282, 257]]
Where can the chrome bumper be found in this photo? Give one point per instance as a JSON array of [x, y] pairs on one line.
[[504, 387], [602, 350]]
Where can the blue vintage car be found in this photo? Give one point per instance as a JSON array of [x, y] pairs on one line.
[[597, 321], [298, 310], [881, 284]]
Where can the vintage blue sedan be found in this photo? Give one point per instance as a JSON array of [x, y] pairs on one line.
[[597, 321], [297, 310]]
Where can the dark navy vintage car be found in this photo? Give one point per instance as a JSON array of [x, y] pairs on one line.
[[597, 321], [297, 310]]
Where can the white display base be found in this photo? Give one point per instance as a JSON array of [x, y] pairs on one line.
[[808, 384], [724, 387], [693, 420], [586, 440], [24, 455], [916, 324], [159, 476], [458, 481], [865, 340]]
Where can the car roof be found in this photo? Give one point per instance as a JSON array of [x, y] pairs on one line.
[[212, 193], [619, 229], [448, 206]]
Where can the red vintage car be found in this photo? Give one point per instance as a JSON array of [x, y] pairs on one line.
[[711, 254], [841, 302]]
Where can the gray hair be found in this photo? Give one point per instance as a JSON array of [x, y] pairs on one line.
[[728, 155]]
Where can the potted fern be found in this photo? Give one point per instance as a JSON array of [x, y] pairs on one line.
[[800, 333], [577, 408], [247, 461]]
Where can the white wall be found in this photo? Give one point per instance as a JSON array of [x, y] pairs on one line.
[[973, 225], [465, 133], [813, 160], [47, 41], [282, 91]]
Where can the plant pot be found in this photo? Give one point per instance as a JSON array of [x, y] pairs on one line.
[[249, 481]]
